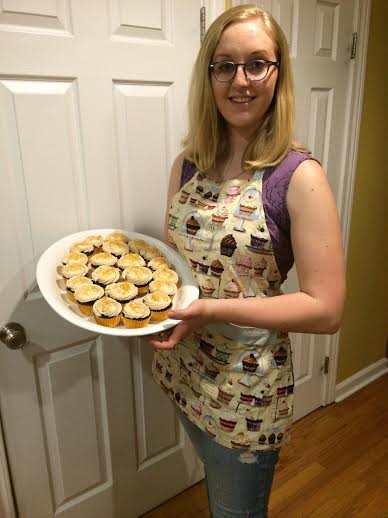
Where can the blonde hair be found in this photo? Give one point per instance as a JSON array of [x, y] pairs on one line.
[[206, 140]]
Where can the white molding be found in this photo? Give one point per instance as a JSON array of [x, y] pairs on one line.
[[356, 94], [7, 507], [359, 380]]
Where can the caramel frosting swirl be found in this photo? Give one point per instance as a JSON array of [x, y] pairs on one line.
[[95, 240], [75, 258], [136, 310], [166, 287], [115, 247], [72, 270], [130, 260], [85, 247], [117, 236], [75, 282], [149, 252], [139, 275], [137, 244], [103, 259], [106, 274], [157, 300], [106, 307], [88, 293], [166, 274], [158, 262], [121, 290]]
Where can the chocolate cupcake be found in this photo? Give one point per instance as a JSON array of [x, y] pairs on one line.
[[228, 245]]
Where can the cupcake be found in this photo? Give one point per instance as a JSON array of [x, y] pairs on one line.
[[249, 363], [192, 226], [74, 270], [107, 312], [86, 296], [260, 266], [244, 265], [158, 262], [75, 282], [253, 424], [123, 292], [169, 288], [226, 393], [216, 268], [117, 236], [228, 425], [207, 288], [96, 242], [167, 275], [241, 441], [84, 247], [115, 247], [104, 275], [103, 259], [140, 276], [232, 290], [75, 258], [136, 244], [130, 259], [136, 315], [228, 245], [280, 357], [159, 304], [150, 252]]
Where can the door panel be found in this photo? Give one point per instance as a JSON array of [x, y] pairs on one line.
[[92, 98]]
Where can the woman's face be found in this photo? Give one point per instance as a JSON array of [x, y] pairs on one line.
[[243, 103]]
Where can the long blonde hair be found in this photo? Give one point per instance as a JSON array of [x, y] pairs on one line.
[[206, 140]]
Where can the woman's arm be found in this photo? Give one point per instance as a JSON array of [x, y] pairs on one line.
[[317, 246]]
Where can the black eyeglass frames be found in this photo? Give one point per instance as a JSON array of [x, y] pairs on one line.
[[254, 70]]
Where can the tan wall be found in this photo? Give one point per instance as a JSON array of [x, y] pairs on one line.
[[365, 325]]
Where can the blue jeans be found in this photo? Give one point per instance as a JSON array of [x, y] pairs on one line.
[[238, 482]]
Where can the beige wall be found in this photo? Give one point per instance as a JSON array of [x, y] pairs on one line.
[[365, 325]]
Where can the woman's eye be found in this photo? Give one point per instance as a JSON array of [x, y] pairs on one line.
[[225, 67], [256, 66]]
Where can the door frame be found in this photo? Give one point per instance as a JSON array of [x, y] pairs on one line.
[[349, 166], [354, 111]]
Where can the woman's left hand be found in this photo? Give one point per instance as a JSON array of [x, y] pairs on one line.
[[195, 316]]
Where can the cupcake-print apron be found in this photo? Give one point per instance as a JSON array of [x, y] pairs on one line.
[[235, 383]]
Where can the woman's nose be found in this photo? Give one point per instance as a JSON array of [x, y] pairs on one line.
[[240, 77]]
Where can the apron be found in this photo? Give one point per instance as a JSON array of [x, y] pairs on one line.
[[235, 383]]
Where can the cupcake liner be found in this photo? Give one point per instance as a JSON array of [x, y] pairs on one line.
[[108, 322], [132, 323], [86, 309], [70, 294]]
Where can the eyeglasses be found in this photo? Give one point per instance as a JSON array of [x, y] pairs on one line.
[[255, 70]]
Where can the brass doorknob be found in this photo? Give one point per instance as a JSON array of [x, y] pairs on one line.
[[13, 335]]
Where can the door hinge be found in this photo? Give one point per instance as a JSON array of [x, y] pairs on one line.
[[326, 365], [353, 51], [202, 22]]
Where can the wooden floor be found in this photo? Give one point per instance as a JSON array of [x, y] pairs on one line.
[[335, 466]]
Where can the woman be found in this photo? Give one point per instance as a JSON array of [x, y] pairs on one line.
[[245, 200]]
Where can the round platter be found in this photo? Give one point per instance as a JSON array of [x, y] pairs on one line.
[[53, 288]]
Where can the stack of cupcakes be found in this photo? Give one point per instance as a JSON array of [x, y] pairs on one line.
[[119, 281]]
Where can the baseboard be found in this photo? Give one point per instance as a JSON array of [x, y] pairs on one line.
[[359, 380]]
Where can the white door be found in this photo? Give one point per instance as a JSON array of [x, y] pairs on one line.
[[92, 97], [319, 33]]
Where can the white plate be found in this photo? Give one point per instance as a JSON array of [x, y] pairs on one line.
[[53, 289]]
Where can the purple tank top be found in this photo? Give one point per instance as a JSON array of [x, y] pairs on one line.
[[275, 186]]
